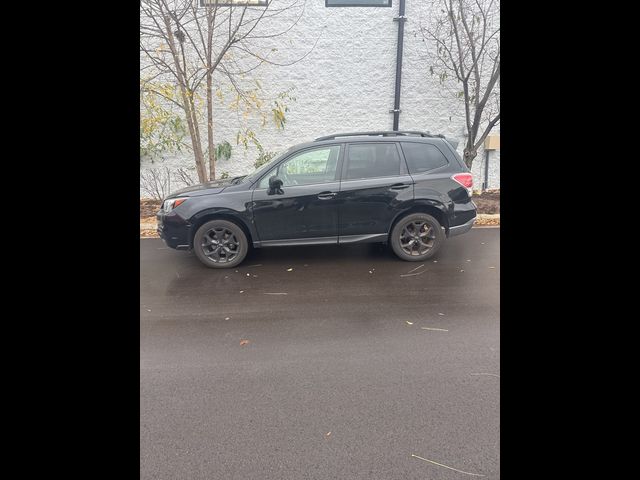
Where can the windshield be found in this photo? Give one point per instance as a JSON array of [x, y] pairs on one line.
[[252, 177]]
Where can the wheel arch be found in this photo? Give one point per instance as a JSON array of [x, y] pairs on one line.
[[436, 209], [229, 215]]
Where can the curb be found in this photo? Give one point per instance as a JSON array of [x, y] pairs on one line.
[[487, 219], [483, 220]]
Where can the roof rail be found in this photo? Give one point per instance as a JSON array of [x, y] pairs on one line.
[[381, 133]]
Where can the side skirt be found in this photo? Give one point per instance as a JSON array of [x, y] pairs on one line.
[[297, 241], [376, 237]]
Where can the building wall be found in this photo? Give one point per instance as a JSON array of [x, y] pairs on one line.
[[346, 84]]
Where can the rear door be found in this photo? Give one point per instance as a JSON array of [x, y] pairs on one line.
[[375, 187]]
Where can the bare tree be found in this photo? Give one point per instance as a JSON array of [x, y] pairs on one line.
[[204, 47], [464, 41], [156, 182], [183, 175]]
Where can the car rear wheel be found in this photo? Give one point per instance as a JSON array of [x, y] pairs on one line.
[[417, 237], [220, 244]]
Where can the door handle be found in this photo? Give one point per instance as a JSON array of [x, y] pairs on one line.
[[326, 195], [399, 186]]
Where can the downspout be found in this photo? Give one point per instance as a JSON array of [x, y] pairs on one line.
[[401, 18], [486, 170]]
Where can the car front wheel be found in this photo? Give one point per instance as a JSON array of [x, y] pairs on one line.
[[220, 244], [417, 237]]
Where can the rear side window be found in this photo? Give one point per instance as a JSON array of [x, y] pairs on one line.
[[422, 157], [370, 160]]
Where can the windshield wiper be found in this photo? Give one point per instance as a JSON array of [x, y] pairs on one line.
[[236, 180]]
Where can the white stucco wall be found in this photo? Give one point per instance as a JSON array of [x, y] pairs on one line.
[[346, 84]]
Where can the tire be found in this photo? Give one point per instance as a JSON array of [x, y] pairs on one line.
[[220, 244], [405, 241]]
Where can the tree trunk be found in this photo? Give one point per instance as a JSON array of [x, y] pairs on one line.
[[194, 132], [469, 154], [189, 107], [212, 147]]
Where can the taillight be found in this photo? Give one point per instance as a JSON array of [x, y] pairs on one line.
[[466, 180]]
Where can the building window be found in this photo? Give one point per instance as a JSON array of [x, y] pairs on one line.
[[228, 3], [357, 3]]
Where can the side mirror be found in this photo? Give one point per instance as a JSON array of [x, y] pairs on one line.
[[275, 186]]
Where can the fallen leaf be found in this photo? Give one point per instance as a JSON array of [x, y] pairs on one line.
[[435, 261], [409, 323], [468, 260], [255, 276], [442, 314], [370, 271], [329, 433], [226, 318], [243, 342], [248, 275], [241, 291], [462, 270], [289, 269], [148, 310]]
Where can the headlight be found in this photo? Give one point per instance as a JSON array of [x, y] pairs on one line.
[[171, 204]]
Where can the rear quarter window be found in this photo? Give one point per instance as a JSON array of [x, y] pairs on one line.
[[422, 157]]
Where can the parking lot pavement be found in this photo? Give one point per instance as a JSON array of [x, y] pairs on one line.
[[321, 362]]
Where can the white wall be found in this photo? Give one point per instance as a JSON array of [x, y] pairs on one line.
[[347, 84]]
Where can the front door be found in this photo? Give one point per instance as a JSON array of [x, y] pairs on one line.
[[306, 205]]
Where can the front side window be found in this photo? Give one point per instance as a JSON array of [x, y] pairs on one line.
[[422, 157], [370, 160], [306, 168]]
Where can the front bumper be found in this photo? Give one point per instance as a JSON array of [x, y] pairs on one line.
[[174, 230]]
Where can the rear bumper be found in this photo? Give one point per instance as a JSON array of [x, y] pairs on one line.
[[174, 230], [464, 216], [460, 229]]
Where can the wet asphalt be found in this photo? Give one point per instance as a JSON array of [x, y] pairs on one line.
[[341, 368]]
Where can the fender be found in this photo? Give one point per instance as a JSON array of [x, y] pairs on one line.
[[422, 204]]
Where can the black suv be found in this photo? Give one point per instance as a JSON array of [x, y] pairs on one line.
[[409, 189]]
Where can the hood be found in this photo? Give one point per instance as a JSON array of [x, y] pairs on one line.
[[206, 188]]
